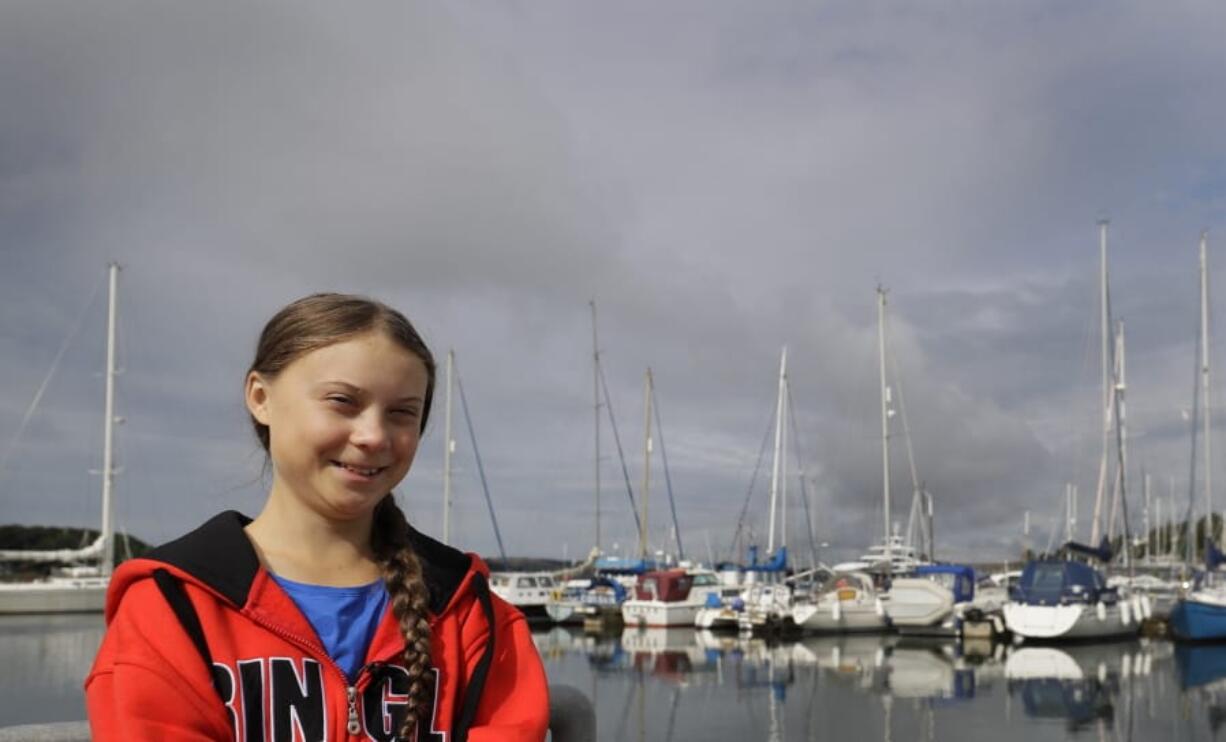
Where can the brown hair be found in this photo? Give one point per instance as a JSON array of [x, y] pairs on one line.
[[321, 320]]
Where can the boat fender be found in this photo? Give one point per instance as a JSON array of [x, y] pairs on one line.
[[1101, 611], [1142, 607], [998, 625], [1125, 613], [879, 608], [836, 611]]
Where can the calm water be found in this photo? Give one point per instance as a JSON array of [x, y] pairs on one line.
[[686, 685]]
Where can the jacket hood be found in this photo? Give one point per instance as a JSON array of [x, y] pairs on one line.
[[219, 557]]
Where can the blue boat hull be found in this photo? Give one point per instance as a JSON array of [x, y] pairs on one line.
[[1195, 621]]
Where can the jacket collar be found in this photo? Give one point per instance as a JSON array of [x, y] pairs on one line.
[[220, 555]]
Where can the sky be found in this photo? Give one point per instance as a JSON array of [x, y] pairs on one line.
[[722, 179]]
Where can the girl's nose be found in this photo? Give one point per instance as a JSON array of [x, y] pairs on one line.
[[369, 431]]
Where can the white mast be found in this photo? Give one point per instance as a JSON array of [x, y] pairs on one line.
[[1149, 542], [646, 460], [885, 426], [1204, 376], [448, 449], [783, 465], [1069, 509], [1106, 378], [596, 409], [780, 411], [108, 448], [1120, 388]]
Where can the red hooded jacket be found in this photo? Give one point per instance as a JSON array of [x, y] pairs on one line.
[[271, 678]]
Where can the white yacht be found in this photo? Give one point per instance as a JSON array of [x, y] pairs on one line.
[[849, 603], [530, 592]]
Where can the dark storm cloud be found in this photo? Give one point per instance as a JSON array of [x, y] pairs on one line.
[[723, 179]]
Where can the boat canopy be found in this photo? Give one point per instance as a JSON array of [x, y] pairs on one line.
[[623, 566], [672, 586], [1050, 582], [963, 582], [608, 583], [777, 563], [1102, 552]]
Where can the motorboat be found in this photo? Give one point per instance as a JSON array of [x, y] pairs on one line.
[[530, 592], [670, 597]]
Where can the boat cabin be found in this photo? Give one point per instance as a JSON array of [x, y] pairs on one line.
[[1052, 582], [672, 586], [957, 578]]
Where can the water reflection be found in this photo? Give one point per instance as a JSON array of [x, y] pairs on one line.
[[1202, 675], [682, 683], [44, 661]]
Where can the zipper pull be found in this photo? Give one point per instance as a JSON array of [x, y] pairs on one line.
[[354, 727]]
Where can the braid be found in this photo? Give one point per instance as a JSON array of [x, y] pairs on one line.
[[406, 588]]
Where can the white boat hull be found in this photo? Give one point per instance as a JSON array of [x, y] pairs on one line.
[[717, 619], [850, 617], [1072, 621], [53, 597], [655, 613], [914, 602]]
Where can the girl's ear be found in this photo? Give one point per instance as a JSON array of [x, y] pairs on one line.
[[256, 396]]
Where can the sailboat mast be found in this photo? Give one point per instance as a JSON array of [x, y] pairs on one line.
[[448, 449], [885, 425], [1121, 475], [1105, 331], [108, 435], [1204, 375], [779, 413], [596, 410], [646, 460]]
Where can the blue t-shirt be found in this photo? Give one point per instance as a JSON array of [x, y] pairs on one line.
[[344, 618]]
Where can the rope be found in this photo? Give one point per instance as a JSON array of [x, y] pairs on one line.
[[38, 396], [668, 480], [621, 456], [804, 492], [740, 521], [472, 435]]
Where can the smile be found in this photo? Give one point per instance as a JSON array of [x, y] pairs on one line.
[[364, 471]]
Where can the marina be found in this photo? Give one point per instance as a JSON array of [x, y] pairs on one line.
[[920, 296], [680, 684]]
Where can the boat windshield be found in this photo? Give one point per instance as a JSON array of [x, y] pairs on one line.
[[1048, 578]]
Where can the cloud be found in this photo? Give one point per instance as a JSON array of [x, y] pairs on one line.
[[722, 179]]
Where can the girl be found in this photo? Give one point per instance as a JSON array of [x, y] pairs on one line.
[[327, 617]]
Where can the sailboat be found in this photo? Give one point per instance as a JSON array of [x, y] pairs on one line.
[[666, 597], [79, 589], [1066, 596], [850, 600], [758, 599], [1201, 614]]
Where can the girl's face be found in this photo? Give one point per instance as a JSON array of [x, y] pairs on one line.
[[344, 422]]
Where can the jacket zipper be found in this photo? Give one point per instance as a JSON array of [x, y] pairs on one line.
[[353, 724]]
